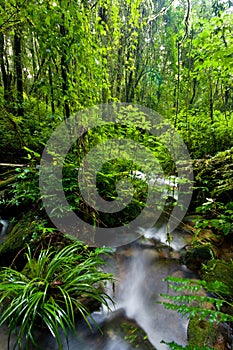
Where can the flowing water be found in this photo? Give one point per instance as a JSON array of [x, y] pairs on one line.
[[3, 228], [139, 269]]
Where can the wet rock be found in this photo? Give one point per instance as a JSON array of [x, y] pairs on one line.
[[226, 252], [197, 255], [12, 244], [222, 271], [203, 333], [122, 327]]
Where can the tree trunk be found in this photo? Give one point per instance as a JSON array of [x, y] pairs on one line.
[[64, 70], [5, 183], [51, 90], [6, 78], [19, 73], [211, 106]]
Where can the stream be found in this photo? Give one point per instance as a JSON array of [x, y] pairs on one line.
[[4, 225], [139, 269]]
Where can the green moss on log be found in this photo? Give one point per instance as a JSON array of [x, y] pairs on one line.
[[5, 183], [15, 241]]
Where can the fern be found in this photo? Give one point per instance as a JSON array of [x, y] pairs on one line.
[[191, 304]]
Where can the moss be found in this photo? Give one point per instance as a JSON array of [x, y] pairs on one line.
[[30, 269], [214, 177], [201, 333], [15, 241], [222, 271], [129, 330], [5, 183], [210, 335], [135, 336], [197, 255]]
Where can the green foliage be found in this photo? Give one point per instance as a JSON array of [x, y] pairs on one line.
[[118, 167], [52, 288], [25, 190], [190, 303], [221, 271], [203, 137], [103, 52], [106, 184], [216, 215]]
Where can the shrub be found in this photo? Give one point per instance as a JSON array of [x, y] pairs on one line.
[[51, 290]]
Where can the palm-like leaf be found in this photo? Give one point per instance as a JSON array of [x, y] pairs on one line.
[[51, 290]]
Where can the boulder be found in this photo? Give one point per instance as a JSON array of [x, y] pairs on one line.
[[203, 333], [119, 325], [197, 255], [222, 271]]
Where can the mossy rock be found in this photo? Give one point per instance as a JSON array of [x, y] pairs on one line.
[[11, 245], [211, 335], [129, 330], [15, 241], [214, 175], [196, 256], [29, 229], [201, 332], [222, 271]]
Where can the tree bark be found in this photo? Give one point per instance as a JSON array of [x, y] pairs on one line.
[[64, 70], [6, 78], [51, 90], [19, 73], [8, 181]]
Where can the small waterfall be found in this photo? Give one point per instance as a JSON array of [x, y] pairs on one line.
[[138, 295], [131, 293], [3, 226], [161, 234]]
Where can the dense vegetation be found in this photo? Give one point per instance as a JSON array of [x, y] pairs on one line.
[[50, 290], [60, 57]]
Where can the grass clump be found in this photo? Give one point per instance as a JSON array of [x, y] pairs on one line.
[[51, 290]]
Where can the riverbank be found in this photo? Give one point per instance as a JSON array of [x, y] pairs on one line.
[[202, 241]]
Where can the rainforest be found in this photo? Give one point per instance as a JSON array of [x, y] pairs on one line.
[[116, 174]]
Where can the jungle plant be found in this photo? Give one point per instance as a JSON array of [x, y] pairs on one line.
[[51, 290], [24, 190], [216, 215], [188, 302]]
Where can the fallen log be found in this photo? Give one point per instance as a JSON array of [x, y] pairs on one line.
[[8, 181], [13, 165]]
